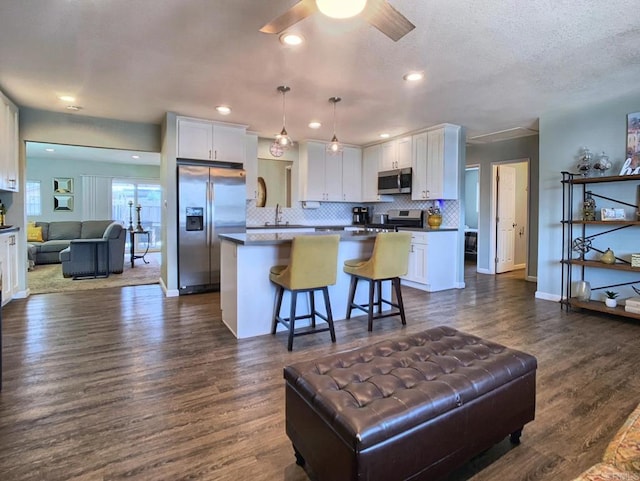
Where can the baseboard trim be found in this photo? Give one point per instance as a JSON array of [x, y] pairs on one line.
[[481, 270], [532, 278], [548, 297], [168, 292]]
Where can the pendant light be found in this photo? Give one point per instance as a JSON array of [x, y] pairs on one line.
[[335, 147], [283, 139], [341, 8]]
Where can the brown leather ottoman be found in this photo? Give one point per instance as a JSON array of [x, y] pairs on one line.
[[414, 407]]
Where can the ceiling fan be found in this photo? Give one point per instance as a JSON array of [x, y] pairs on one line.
[[378, 13]]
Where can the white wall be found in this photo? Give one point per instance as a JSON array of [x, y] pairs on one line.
[[44, 171], [600, 126]]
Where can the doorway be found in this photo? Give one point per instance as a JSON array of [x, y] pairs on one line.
[[471, 213], [509, 220]]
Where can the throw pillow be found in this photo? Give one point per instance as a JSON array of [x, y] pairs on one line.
[[34, 234]]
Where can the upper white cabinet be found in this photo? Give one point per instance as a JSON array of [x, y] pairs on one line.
[[435, 163], [8, 145], [251, 165], [352, 174], [326, 177], [395, 154], [206, 140], [370, 164]]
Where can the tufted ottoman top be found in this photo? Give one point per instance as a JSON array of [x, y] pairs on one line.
[[373, 393]]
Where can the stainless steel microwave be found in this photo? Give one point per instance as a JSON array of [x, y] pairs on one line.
[[396, 181]]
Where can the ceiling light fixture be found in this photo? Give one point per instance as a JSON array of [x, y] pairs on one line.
[[413, 76], [50, 150], [315, 125], [223, 109], [283, 139], [341, 8], [385, 136], [135, 156], [67, 98], [74, 108], [291, 39], [335, 147]]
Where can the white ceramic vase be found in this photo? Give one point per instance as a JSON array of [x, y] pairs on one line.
[[611, 302]]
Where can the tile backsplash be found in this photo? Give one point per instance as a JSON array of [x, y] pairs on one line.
[[338, 213]]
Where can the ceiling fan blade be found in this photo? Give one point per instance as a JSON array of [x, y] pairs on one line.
[[387, 19], [299, 11]]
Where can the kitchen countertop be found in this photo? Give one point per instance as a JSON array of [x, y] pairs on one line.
[[428, 229], [285, 237], [298, 226]]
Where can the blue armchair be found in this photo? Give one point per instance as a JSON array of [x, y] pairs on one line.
[[78, 260]]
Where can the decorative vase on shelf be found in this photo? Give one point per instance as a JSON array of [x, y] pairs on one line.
[[584, 161], [608, 257], [582, 290], [611, 302], [434, 221]]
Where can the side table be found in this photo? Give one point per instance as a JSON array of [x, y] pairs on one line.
[[132, 242]]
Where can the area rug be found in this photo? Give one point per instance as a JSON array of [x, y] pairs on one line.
[[48, 277]]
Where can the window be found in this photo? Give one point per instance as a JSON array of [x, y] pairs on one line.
[[33, 199], [145, 194]]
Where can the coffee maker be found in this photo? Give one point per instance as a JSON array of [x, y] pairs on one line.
[[361, 215]]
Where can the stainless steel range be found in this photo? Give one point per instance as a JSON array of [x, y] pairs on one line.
[[397, 218]]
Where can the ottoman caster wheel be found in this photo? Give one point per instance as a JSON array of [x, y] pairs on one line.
[[299, 459], [515, 437]]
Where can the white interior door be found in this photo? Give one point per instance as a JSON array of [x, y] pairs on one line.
[[506, 221]]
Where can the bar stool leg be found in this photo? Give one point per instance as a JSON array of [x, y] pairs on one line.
[[292, 319], [372, 290], [396, 283], [379, 301], [276, 311], [352, 294], [327, 304], [312, 304]]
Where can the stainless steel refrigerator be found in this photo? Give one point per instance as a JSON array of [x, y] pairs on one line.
[[211, 201]]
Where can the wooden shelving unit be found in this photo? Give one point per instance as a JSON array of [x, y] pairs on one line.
[[574, 229]]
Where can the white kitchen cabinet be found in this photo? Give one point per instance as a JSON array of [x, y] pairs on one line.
[[370, 165], [442, 162], [352, 174], [432, 261], [396, 154], [321, 175], [419, 165], [251, 165], [436, 163], [9, 265], [8, 145], [206, 140]]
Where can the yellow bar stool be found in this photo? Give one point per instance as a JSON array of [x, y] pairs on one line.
[[312, 267], [389, 261]]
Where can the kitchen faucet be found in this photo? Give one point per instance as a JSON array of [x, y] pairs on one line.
[[278, 214]]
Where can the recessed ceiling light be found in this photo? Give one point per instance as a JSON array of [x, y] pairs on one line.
[[67, 98], [385, 136], [50, 150], [74, 108], [340, 8], [291, 39], [223, 109], [413, 76], [135, 156], [315, 125]]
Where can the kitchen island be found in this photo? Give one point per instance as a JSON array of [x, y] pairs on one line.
[[247, 295]]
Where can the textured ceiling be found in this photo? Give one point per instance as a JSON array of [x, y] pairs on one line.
[[490, 65]]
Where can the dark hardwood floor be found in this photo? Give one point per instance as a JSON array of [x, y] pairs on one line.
[[123, 383]]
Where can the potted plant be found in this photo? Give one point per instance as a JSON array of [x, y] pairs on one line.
[[610, 300], [434, 217]]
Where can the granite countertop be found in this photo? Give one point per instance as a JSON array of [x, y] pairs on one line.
[[286, 237], [298, 226], [428, 229], [6, 229]]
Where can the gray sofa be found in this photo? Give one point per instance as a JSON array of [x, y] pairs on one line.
[[57, 236], [78, 260]]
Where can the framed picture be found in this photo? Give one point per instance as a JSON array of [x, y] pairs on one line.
[[63, 202], [612, 214], [62, 185], [632, 158]]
